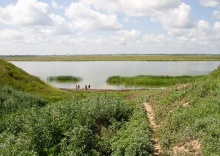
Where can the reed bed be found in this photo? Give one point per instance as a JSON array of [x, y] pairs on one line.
[[64, 79], [149, 80]]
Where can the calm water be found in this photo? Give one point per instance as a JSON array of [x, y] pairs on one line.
[[96, 73]]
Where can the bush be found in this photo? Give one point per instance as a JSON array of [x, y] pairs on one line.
[[96, 124]]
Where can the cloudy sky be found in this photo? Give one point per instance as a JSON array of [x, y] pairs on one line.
[[44, 27]]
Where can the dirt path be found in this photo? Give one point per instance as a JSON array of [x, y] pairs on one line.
[[154, 126]]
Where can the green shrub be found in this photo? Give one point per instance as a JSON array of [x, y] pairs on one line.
[[12, 100], [93, 125]]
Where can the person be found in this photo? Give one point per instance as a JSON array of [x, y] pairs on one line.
[[88, 86]]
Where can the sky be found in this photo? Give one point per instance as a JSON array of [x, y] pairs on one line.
[[72, 27]]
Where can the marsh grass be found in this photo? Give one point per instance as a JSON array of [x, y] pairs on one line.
[[64, 79], [149, 80]]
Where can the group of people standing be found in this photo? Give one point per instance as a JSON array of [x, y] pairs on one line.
[[86, 87]]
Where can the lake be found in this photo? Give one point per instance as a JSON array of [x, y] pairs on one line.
[[95, 73]]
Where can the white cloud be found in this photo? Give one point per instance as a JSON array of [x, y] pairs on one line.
[[203, 34], [122, 38], [8, 34], [125, 38], [69, 40], [180, 17], [94, 24], [36, 34], [210, 3], [32, 21], [160, 39], [131, 7], [217, 26], [60, 25], [216, 14], [117, 40], [172, 14], [85, 18], [203, 25], [25, 13], [55, 5], [129, 34], [126, 19]]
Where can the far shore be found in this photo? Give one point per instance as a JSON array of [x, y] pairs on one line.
[[121, 57]]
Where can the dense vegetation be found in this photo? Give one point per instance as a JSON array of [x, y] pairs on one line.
[[115, 58], [188, 115], [105, 123], [37, 119], [12, 76], [64, 79], [150, 81], [89, 124]]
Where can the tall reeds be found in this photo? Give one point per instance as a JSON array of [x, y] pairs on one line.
[[64, 79], [149, 80]]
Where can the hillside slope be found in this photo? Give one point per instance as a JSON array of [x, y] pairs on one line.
[[17, 78], [189, 117]]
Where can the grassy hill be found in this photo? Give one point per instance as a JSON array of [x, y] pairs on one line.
[[107, 123], [17, 78], [189, 117]]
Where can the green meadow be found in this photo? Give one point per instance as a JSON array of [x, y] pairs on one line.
[[37, 119]]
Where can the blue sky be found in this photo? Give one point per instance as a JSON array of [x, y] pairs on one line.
[[47, 27]]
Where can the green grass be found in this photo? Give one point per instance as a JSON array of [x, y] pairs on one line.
[[17, 78], [89, 124], [188, 113], [115, 58], [150, 81], [64, 79]]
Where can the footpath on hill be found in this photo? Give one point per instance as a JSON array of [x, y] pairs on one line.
[[154, 126]]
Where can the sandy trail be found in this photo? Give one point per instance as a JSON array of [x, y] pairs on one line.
[[154, 126]]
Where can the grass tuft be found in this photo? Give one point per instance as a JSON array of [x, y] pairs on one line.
[[150, 81], [64, 79]]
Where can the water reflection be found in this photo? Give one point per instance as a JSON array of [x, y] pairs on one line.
[[96, 73]]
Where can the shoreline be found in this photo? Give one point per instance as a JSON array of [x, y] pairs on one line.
[[113, 90]]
